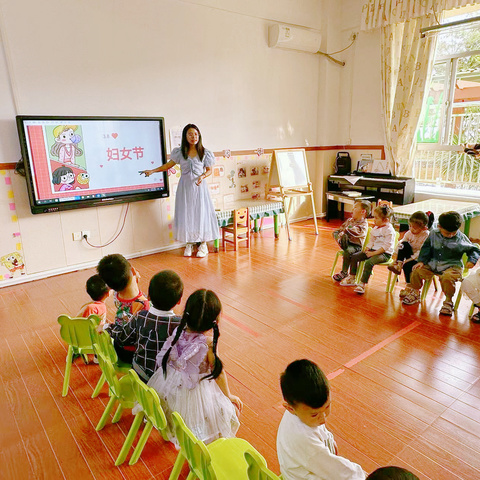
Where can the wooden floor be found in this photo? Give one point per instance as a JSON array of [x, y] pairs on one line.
[[406, 382]]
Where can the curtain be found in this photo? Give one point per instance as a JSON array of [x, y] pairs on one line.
[[406, 61], [381, 13]]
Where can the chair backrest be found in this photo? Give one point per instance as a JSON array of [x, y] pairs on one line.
[[240, 217], [148, 399], [103, 340], [257, 467], [193, 449], [384, 202], [108, 370], [367, 238], [76, 331]]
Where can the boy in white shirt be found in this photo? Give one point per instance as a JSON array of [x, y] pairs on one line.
[[305, 448]]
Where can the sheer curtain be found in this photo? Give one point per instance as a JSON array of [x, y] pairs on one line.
[[406, 63]]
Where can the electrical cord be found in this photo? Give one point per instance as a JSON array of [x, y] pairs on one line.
[[339, 62], [116, 236]]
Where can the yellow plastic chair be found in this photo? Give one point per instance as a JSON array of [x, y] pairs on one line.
[[105, 344], [257, 467], [76, 333], [340, 252], [120, 390], [223, 459], [383, 264], [153, 416]]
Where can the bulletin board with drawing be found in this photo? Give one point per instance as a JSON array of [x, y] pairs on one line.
[[289, 178]]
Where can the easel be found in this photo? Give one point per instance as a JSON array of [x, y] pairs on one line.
[[289, 177]]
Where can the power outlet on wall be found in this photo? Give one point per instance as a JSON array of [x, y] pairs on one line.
[[86, 234], [77, 236]]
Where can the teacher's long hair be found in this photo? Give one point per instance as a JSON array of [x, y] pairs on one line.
[[185, 145]]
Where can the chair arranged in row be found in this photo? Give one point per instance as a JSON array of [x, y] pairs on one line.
[[105, 343], [76, 334], [223, 459], [340, 252]]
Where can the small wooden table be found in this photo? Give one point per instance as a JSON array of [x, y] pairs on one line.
[[343, 199], [437, 206], [257, 209]]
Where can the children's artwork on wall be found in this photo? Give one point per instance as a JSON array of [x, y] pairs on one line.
[[242, 172], [244, 188], [254, 171], [256, 184], [12, 263], [265, 170], [218, 171], [255, 196], [231, 177], [214, 188]]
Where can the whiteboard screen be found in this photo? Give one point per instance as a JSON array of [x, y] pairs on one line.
[[292, 168]]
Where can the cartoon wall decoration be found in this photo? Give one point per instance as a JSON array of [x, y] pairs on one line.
[[12, 264]]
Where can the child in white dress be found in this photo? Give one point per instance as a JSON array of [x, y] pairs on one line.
[[190, 378], [195, 220]]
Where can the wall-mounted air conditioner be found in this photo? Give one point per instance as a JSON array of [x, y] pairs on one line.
[[294, 38]]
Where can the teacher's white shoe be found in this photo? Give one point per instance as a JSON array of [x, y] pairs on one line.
[[202, 250], [188, 250]]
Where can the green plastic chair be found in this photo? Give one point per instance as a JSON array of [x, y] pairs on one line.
[[120, 390], [257, 467], [76, 333], [151, 413], [223, 459], [340, 252], [384, 264], [105, 344]]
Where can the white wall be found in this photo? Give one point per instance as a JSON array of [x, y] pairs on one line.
[[204, 61]]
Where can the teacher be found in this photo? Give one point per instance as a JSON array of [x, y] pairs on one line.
[[195, 220]]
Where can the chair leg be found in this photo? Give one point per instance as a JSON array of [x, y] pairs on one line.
[[141, 443], [68, 369], [106, 413], [472, 309], [130, 438], [118, 413], [389, 279], [99, 386], [457, 300], [177, 467], [426, 286], [332, 271], [359, 274]]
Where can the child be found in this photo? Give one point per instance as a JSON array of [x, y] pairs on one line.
[[471, 288], [378, 250], [149, 329], [190, 378], [409, 248], [98, 291], [305, 448], [351, 235], [392, 473], [121, 277], [441, 255], [195, 220]]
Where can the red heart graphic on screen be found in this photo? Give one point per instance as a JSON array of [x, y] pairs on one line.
[[152, 163], [101, 166], [114, 135]]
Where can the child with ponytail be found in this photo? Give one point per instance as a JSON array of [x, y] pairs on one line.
[[190, 378]]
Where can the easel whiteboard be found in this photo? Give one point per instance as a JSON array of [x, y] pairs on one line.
[[289, 169]]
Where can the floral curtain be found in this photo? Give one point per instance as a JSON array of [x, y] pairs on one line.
[[406, 63], [380, 13], [405, 67]]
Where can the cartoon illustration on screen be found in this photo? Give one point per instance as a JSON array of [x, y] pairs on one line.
[[64, 178], [65, 146], [13, 262]]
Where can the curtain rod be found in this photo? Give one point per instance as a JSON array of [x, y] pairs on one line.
[[426, 30]]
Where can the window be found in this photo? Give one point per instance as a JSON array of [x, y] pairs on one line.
[[451, 113]]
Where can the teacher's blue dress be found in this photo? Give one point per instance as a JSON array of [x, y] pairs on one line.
[[195, 219]]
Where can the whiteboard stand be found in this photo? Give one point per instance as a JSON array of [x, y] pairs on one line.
[[288, 179]]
